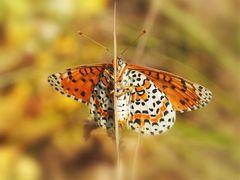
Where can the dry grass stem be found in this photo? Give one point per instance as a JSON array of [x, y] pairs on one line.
[[118, 170], [135, 158]]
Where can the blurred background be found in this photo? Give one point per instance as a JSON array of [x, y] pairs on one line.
[[44, 135]]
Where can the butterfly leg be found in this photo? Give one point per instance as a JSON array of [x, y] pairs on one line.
[[124, 89]]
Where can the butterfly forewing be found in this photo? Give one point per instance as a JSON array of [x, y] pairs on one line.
[[184, 95], [78, 82]]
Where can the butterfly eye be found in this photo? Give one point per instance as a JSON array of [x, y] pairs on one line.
[[120, 62]]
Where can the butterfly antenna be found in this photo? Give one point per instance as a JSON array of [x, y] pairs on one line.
[[133, 42], [92, 40]]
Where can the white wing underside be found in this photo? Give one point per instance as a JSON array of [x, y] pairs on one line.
[[145, 107]]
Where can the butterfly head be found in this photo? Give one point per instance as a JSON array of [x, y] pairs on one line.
[[120, 64]]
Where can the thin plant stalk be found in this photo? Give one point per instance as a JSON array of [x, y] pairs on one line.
[[115, 91], [135, 158]]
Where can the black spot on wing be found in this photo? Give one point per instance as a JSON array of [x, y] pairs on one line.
[[82, 93]]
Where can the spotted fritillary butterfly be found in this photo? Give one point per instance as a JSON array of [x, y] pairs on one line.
[[147, 99]]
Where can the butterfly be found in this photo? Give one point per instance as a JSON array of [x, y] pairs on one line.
[[147, 98]]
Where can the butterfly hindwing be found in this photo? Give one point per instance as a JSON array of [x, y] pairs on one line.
[[183, 94], [150, 111], [78, 82], [101, 101]]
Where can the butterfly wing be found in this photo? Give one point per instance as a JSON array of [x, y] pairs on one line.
[[150, 110], [78, 82], [101, 101], [183, 94]]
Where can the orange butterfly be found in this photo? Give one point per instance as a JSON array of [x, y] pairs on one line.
[[147, 98]]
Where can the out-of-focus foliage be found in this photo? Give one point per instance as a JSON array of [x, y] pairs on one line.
[[44, 135]]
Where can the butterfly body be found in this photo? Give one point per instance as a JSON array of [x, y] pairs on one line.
[[147, 99]]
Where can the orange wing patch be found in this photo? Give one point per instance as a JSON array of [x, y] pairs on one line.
[[183, 94], [77, 83], [140, 94]]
